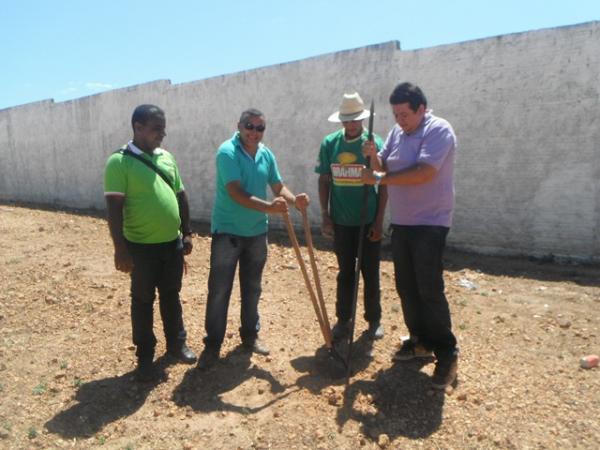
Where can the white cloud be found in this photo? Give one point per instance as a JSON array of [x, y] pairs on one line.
[[97, 86], [79, 89], [69, 90]]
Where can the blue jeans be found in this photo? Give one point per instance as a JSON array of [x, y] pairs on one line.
[[417, 252], [156, 266], [225, 252]]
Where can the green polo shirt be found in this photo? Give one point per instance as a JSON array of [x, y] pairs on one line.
[[254, 175], [151, 211], [342, 159]]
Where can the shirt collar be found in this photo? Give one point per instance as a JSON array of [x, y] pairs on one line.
[[238, 143], [426, 119], [137, 151], [357, 138]]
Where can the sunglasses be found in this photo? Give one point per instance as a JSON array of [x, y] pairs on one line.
[[259, 128]]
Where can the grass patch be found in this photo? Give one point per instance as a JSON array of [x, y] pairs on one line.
[[40, 389]]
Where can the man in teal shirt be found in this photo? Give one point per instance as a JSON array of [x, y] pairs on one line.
[[245, 167], [149, 222], [341, 193]]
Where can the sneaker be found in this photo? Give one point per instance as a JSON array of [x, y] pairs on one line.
[[340, 330], [256, 346], [411, 350], [375, 330], [182, 354], [208, 358], [445, 373]]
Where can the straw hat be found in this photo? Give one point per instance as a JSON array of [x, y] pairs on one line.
[[352, 108]]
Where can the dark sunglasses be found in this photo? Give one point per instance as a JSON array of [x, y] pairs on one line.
[[249, 126]]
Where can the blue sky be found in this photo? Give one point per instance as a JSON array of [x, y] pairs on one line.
[[68, 49]]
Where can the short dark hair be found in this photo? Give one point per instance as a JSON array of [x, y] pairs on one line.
[[143, 113], [250, 112], [408, 93]]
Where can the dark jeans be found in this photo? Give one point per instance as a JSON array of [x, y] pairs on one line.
[[417, 253], [156, 266], [345, 245], [225, 252]]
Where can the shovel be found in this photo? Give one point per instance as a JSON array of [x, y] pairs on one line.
[[317, 300]]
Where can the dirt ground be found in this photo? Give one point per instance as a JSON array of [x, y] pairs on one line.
[[66, 359]]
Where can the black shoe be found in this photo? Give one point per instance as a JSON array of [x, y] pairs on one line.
[[208, 358], [341, 330], [375, 330], [146, 371], [182, 354], [445, 373], [256, 346]]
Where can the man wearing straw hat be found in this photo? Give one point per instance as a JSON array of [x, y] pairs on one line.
[[245, 167], [341, 194]]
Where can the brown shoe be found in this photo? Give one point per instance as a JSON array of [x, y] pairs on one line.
[[411, 350], [445, 373]]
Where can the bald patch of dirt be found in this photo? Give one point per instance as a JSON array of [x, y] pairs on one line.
[[66, 359]]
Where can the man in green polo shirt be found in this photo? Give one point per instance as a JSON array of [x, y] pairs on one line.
[[149, 222], [245, 167], [341, 193]]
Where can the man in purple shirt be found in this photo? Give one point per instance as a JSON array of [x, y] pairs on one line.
[[417, 165]]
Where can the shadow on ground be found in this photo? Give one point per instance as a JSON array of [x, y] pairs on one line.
[[323, 369], [397, 402], [101, 402], [202, 389], [400, 403]]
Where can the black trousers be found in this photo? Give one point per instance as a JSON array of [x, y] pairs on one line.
[[156, 266], [345, 245], [417, 253]]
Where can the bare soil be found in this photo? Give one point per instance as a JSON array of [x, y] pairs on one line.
[[66, 359]]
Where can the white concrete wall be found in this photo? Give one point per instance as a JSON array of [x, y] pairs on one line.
[[525, 108]]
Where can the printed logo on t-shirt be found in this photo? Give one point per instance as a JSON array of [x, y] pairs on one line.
[[346, 172]]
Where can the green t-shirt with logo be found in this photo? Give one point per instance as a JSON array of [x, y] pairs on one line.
[[151, 210], [342, 159]]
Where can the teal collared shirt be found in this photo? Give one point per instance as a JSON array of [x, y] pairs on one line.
[[254, 175]]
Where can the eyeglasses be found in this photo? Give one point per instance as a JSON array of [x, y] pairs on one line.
[[250, 126]]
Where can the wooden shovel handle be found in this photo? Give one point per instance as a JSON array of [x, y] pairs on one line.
[[292, 234]]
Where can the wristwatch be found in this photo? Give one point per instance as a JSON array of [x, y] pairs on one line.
[[378, 177]]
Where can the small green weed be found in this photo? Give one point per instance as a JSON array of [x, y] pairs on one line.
[[40, 389]]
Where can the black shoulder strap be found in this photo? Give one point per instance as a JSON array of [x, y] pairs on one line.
[[143, 160]]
